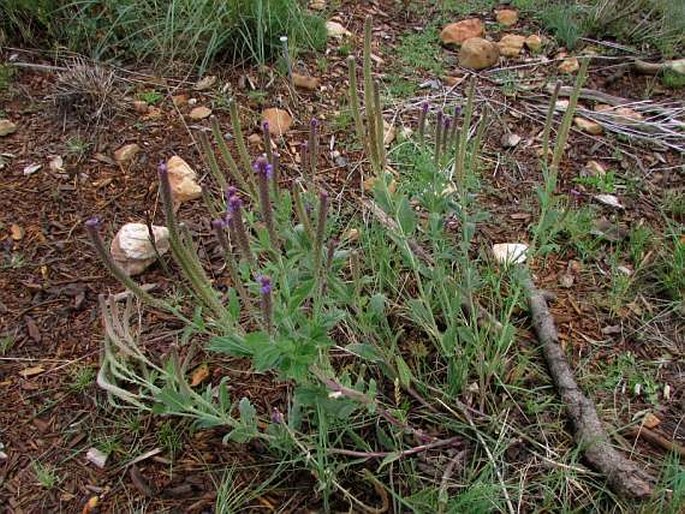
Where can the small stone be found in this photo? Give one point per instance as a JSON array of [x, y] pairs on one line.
[[595, 169], [192, 102], [31, 169], [17, 232], [306, 82], [610, 200], [200, 113], [132, 250], [477, 53], [510, 253], [97, 457], [566, 281], [179, 100], [183, 180], [56, 163], [317, 5], [205, 83], [278, 119], [254, 139], [140, 106], [506, 17], [389, 133], [561, 105], [534, 43], [510, 140], [569, 65], [588, 126], [126, 153], [7, 127], [457, 33], [153, 113], [511, 45], [335, 29]]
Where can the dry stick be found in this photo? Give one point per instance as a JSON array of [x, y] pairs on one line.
[[656, 439], [623, 476]]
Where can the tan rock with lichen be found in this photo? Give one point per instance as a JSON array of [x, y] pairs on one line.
[[506, 17], [183, 181], [511, 45], [457, 33], [477, 53]]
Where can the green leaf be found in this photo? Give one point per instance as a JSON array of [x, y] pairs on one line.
[[403, 371], [364, 350], [406, 217], [232, 345], [377, 304]]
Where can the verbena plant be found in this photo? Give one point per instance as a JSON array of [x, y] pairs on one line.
[[388, 354]]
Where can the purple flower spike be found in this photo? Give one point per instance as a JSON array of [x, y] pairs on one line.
[[276, 416], [262, 167], [162, 168], [265, 126], [94, 223], [424, 107], [234, 204], [219, 224], [265, 286], [314, 123], [231, 191]]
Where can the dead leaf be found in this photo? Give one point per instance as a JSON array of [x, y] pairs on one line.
[[650, 420], [31, 169], [91, 505], [199, 375], [33, 330], [610, 200], [32, 371]]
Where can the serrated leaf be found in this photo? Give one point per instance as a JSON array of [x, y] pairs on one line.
[[364, 350], [377, 304]]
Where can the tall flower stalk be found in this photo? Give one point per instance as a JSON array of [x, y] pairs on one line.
[[313, 148], [264, 171], [422, 121], [265, 294], [234, 218], [322, 215], [233, 171], [219, 226]]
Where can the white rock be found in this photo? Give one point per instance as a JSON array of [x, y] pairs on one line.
[[205, 83], [96, 457], [510, 253], [126, 152], [335, 29], [610, 200], [7, 127], [132, 250], [510, 140], [183, 180], [31, 169]]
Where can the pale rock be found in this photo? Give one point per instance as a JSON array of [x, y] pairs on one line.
[[595, 169], [569, 65], [624, 115], [183, 181], [510, 140], [650, 420], [279, 120], [566, 280], [192, 102], [457, 33], [610, 200], [179, 100], [561, 105], [335, 29], [16, 232], [200, 113], [132, 250], [510, 253], [534, 43], [97, 457], [153, 113], [7, 127], [677, 66], [317, 5], [588, 126], [140, 106], [506, 17], [254, 139], [511, 45], [205, 83], [31, 169], [477, 53], [56, 163], [306, 82], [126, 153]]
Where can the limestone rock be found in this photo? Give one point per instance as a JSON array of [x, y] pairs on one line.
[[477, 53], [457, 33], [317, 5], [506, 17], [511, 45], [140, 106], [279, 120], [200, 113], [588, 126], [179, 100], [569, 65], [132, 250], [126, 153], [335, 29], [534, 43], [306, 82], [183, 180], [595, 169], [510, 253], [205, 82], [7, 127]]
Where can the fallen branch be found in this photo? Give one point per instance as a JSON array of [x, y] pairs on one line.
[[656, 439], [653, 68], [623, 476]]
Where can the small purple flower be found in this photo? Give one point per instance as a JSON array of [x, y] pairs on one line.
[[262, 167], [234, 204], [265, 286], [276, 416], [162, 169], [314, 123], [219, 224], [231, 191], [94, 223], [265, 126], [424, 108], [576, 193]]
